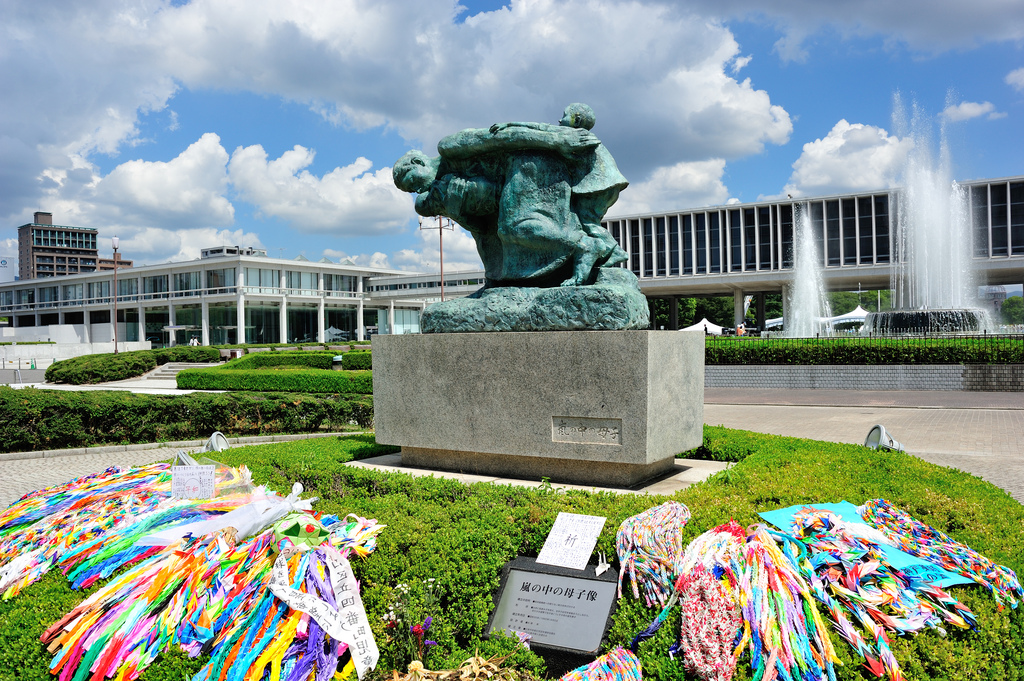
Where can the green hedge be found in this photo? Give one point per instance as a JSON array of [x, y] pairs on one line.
[[262, 360], [106, 367], [293, 380], [357, 360], [461, 535], [53, 419], [974, 350]]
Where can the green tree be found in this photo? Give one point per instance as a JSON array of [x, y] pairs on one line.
[[1013, 310]]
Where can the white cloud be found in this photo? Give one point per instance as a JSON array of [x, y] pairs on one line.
[[852, 157], [155, 245], [189, 190], [1015, 79], [364, 65], [186, 193], [351, 200], [927, 26], [460, 252], [376, 259], [683, 185], [964, 111]]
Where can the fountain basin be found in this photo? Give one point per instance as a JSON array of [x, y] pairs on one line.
[[899, 322]]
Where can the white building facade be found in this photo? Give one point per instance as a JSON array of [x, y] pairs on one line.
[[229, 296]]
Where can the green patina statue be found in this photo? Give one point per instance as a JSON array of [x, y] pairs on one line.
[[533, 196]]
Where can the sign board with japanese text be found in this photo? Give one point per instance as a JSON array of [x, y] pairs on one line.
[[560, 608], [571, 540], [192, 482]]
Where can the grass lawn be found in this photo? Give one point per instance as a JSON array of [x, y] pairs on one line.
[[461, 536]]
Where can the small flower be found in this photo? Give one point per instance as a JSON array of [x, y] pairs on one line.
[[417, 630], [427, 622], [430, 643]]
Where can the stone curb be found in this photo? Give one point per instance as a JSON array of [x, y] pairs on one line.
[[180, 444]]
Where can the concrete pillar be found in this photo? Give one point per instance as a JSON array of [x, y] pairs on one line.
[[391, 316], [650, 310], [320, 316], [205, 335], [283, 317], [360, 331], [785, 306], [321, 328], [240, 308], [171, 321], [673, 313], [283, 311], [737, 308], [142, 323], [759, 314]]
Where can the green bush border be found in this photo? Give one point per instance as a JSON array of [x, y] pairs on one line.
[[812, 351], [106, 367], [54, 419]]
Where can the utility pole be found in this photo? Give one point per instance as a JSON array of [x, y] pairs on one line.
[[442, 224], [115, 242]]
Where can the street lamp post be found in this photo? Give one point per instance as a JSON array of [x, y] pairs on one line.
[[115, 242], [442, 224]]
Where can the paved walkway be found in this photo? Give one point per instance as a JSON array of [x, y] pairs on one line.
[[981, 433]]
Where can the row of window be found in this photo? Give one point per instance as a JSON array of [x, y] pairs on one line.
[[847, 231], [182, 284], [63, 238], [753, 238], [997, 218], [427, 284]]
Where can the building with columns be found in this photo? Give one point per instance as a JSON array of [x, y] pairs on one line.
[[239, 295], [747, 249], [230, 295]]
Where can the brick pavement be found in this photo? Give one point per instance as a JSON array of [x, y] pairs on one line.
[[980, 433], [20, 476]]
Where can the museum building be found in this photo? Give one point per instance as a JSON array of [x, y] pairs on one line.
[[235, 295]]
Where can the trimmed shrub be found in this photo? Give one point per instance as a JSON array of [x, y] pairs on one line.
[[460, 536], [54, 419], [105, 367], [357, 360], [972, 350], [262, 360], [291, 380]]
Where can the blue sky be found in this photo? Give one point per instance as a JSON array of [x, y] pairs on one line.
[[183, 125]]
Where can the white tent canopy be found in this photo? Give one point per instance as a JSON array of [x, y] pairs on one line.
[[856, 315], [706, 326]]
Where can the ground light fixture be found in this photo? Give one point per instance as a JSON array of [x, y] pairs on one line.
[[878, 438]]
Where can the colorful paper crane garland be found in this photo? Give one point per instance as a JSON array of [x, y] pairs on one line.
[[918, 539], [205, 593]]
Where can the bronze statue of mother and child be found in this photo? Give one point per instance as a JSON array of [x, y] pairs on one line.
[[533, 196]]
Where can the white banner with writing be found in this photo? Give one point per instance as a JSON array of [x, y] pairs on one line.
[[348, 623]]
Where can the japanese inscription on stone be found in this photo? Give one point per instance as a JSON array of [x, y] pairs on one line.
[[586, 430], [571, 540], [566, 612]]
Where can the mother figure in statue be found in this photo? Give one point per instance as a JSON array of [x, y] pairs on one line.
[[532, 195]]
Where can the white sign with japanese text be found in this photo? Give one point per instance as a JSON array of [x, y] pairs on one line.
[[571, 540], [568, 612], [193, 482]]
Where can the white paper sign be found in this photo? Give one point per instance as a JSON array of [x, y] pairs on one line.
[[192, 482], [348, 623], [571, 540]]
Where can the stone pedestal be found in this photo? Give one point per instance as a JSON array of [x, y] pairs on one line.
[[589, 407]]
